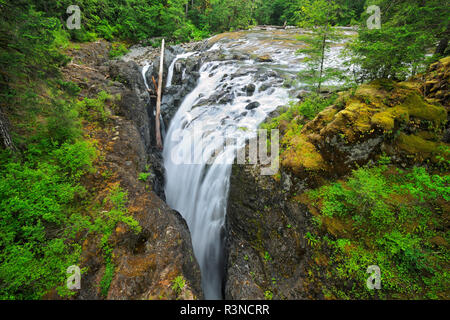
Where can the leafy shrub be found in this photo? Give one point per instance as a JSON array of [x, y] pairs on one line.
[[118, 49], [35, 207], [95, 109], [76, 159], [178, 284], [143, 176], [268, 295], [389, 217]]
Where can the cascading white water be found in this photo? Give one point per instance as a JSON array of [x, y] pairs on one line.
[[172, 66], [198, 154], [199, 190]]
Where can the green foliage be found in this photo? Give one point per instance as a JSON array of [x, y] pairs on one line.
[[277, 12], [106, 221], [95, 109], [397, 50], [392, 218], [143, 176], [117, 49], [76, 159], [105, 283], [309, 108], [36, 203]]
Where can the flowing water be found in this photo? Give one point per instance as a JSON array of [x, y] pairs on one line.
[[207, 131]]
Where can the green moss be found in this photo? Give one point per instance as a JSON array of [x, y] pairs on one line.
[[414, 144], [301, 155], [418, 108], [385, 120]]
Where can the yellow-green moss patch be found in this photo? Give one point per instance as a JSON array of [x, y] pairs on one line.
[[414, 144], [418, 108], [302, 155]]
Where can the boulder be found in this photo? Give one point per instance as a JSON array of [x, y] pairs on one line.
[[252, 105]]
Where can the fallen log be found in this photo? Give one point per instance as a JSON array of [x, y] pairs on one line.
[[158, 99]]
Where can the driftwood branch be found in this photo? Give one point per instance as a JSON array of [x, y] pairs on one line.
[[158, 99]]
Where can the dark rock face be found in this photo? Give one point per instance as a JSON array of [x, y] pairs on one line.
[[265, 237], [147, 262], [184, 80], [252, 105], [135, 101], [136, 105]]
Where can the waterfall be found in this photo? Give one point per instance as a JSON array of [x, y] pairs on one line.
[[198, 157], [172, 66], [213, 122]]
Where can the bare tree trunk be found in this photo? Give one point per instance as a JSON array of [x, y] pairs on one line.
[[158, 101], [321, 64], [442, 46], [4, 133]]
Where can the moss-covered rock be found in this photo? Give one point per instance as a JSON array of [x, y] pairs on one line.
[[382, 116]]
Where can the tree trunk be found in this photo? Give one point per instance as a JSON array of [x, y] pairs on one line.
[[4, 133], [442, 46], [158, 101], [321, 64]]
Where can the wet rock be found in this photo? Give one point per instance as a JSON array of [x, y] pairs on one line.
[[265, 239], [252, 105], [302, 94], [264, 58], [184, 80], [135, 100], [265, 86], [363, 125], [250, 89]]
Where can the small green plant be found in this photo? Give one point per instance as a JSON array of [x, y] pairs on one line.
[[267, 257], [95, 109], [143, 176], [312, 240], [178, 284], [268, 295], [108, 276], [384, 160]]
